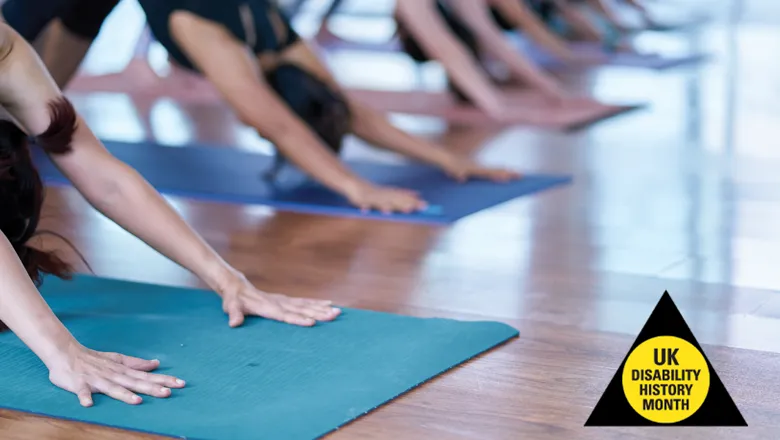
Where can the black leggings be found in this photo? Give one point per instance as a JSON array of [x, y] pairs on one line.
[[81, 17]]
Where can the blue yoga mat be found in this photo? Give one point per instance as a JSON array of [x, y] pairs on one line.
[[234, 176], [265, 380]]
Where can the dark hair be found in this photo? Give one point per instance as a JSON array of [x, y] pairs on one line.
[[501, 20], [21, 188], [410, 46], [318, 105]]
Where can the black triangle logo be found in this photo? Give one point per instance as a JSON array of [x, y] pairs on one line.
[[666, 379]]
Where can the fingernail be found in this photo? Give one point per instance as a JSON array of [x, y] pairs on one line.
[[180, 382], [165, 390], [137, 399]]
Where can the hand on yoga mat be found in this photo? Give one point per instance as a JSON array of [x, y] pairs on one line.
[[84, 372], [240, 299], [387, 200], [463, 169]]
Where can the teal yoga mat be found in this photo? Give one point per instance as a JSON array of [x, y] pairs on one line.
[[265, 380]]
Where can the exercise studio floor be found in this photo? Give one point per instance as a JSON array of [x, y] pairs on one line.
[[680, 196]]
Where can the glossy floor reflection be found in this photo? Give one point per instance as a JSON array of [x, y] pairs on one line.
[[683, 197]]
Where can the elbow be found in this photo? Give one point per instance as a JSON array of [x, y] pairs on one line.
[[273, 128], [112, 188]]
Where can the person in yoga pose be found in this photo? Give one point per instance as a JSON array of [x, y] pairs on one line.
[[604, 12], [272, 79], [30, 96], [532, 18], [457, 33]]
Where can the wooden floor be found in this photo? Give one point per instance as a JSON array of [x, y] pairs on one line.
[[683, 197]]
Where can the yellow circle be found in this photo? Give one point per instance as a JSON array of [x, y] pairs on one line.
[[666, 379]]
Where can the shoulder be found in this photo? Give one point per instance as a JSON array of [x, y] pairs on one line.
[[7, 40]]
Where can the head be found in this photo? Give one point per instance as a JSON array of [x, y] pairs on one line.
[[21, 188], [323, 109]]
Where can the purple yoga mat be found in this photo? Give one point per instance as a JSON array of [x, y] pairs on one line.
[[601, 57], [544, 59]]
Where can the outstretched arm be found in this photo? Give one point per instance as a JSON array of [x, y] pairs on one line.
[[580, 24], [476, 15], [71, 366], [642, 9], [608, 13], [522, 17], [226, 63], [120, 193], [423, 22], [111, 186], [25, 312], [373, 127]]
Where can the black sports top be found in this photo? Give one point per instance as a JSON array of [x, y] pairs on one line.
[[251, 21]]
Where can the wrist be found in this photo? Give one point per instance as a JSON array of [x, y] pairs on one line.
[[353, 188], [223, 278], [57, 347], [449, 162]]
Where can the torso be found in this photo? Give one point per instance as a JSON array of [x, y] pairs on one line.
[[258, 23]]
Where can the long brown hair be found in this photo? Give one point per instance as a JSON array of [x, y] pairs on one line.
[[22, 190]]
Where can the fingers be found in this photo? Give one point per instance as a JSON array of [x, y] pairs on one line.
[[235, 314], [274, 310], [132, 362], [115, 391], [136, 385], [157, 379], [316, 313], [295, 311], [388, 201], [85, 396]]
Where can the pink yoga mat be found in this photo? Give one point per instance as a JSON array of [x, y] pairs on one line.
[[650, 61], [182, 87], [598, 56], [542, 58], [528, 108]]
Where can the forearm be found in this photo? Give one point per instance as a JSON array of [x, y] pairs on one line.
[[526, 20], [605, 11], [425, 25], [520, 67], [475, 15], [298, 143], [25, 312], [374, 128], [580, 24], [124, 196]]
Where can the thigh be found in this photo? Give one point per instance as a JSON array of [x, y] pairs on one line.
[[30, 17]]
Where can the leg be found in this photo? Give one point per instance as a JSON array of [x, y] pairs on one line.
[[29, 18], [69, 38]]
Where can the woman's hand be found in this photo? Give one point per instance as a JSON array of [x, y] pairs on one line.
[[240, 299], [464, 169], [83, 372], [387, 200]]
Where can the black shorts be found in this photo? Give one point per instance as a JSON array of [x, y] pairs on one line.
[[81, 17], [255, 22]]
